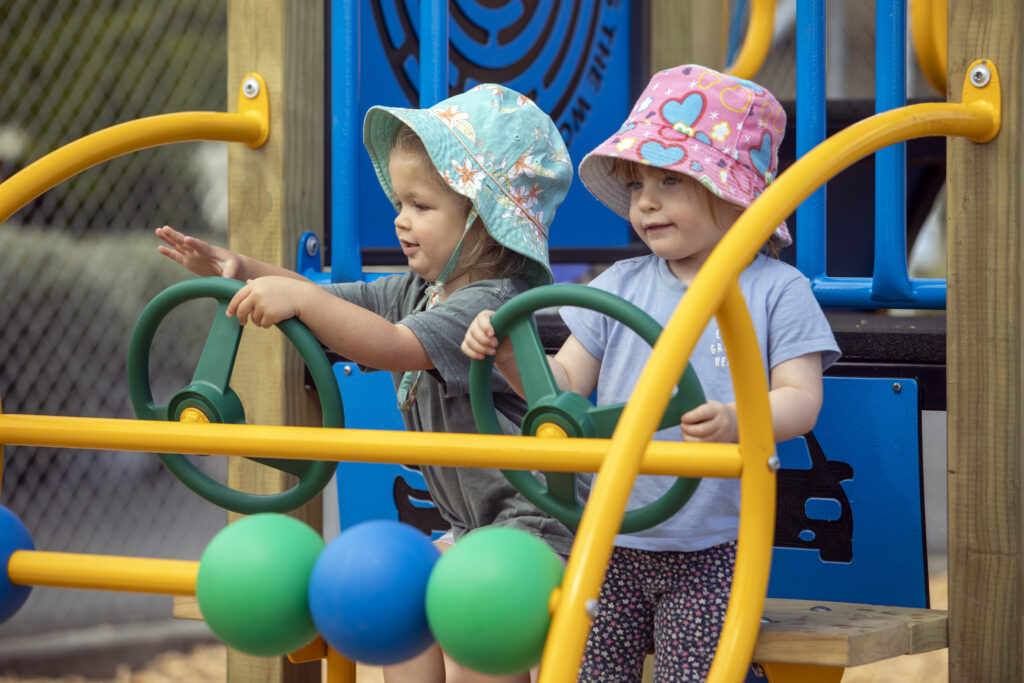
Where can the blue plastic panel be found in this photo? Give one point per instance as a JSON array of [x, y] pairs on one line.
[[850, 522], [379, 491], [572, 58]]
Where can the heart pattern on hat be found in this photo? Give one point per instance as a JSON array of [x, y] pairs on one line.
[[657, 155], [721, 130]]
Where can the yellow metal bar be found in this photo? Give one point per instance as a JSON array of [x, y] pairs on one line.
[[339, 668], [361, 445], [757, 493], [757, 41], [103, 572], [251, 125], [929, 32]]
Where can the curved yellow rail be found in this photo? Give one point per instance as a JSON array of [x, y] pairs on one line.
[[929, 31], [757, 41], [250, 125], [715, 292]]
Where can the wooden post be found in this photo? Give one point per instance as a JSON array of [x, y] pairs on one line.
[[690, 32], [986, 359], [275, 193]]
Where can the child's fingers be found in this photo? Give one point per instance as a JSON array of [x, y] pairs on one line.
[[172, 254], [237, 302], [699, 414]]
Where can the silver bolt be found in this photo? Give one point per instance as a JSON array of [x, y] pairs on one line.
[[591, 607], [821, 608], [980, 76], [347, 369], [897, 387], [312, 245], [765, 620], [251, 88], [774, 463]]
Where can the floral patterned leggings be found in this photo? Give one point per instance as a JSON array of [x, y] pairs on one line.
[[673, 600]]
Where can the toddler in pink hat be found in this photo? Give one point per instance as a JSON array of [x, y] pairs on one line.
[[697, 148], [720, 130]]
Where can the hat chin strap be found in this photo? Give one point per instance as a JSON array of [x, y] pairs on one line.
[[411, 379]]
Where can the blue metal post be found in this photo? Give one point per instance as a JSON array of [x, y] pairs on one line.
[[810, 130], [433, 52], [891, 282], [346, 143]]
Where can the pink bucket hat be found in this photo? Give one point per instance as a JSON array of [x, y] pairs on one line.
[[720, 130]]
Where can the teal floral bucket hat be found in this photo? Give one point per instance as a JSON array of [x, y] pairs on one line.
[[496, 147]]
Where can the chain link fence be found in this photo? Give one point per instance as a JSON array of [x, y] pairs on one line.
[[79, 263]]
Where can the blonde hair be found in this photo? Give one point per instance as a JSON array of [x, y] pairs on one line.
[[722, 211], [488, 257]]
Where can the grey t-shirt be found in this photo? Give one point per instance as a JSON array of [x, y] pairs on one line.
[[467, 497], [788, 322]]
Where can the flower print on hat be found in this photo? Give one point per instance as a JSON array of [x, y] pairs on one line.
[[721, 130], [496, 147]]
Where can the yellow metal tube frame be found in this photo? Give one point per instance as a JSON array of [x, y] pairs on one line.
[[103, 572], [317, 443], [250, 125], [929, 30], [757, 41]]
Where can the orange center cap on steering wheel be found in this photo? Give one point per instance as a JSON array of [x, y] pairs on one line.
[[550, 430], [193, 415]]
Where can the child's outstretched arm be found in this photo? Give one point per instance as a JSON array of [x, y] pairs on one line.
[[351, 330], [573, 367], [207, 260], [795, 398]]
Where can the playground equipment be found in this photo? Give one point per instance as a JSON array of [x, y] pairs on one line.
[[209, 398], [552, 412], [977, 117], [714, 292]]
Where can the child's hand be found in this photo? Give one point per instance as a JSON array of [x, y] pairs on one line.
[[712, 421], [480, 341], [267, 300], [198, 256]]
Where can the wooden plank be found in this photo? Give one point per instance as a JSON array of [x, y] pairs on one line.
[[686, 32], [802, 632], [275, 193], [187, 607], [986, 358]]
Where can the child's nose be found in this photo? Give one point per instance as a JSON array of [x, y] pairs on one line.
[[648, 198]]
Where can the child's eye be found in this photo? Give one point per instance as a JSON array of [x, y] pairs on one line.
[[633, 185], [420, 207], [670, 180]]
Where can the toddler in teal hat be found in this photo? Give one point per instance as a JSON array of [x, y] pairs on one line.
[[475, 181]]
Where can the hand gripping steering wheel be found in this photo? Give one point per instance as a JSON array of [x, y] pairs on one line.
[[565, 413], [209, 398]]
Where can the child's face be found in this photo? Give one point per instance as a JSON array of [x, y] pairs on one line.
[[430, 217], [672, 217]]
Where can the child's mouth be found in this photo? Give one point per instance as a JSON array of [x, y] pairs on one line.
[[408, 248], [656, 227]]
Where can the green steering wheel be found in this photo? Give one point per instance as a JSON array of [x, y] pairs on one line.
[[209, 398], [571, 412]]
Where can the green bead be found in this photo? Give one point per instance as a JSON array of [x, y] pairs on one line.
[[253, 584], [487, 599]]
